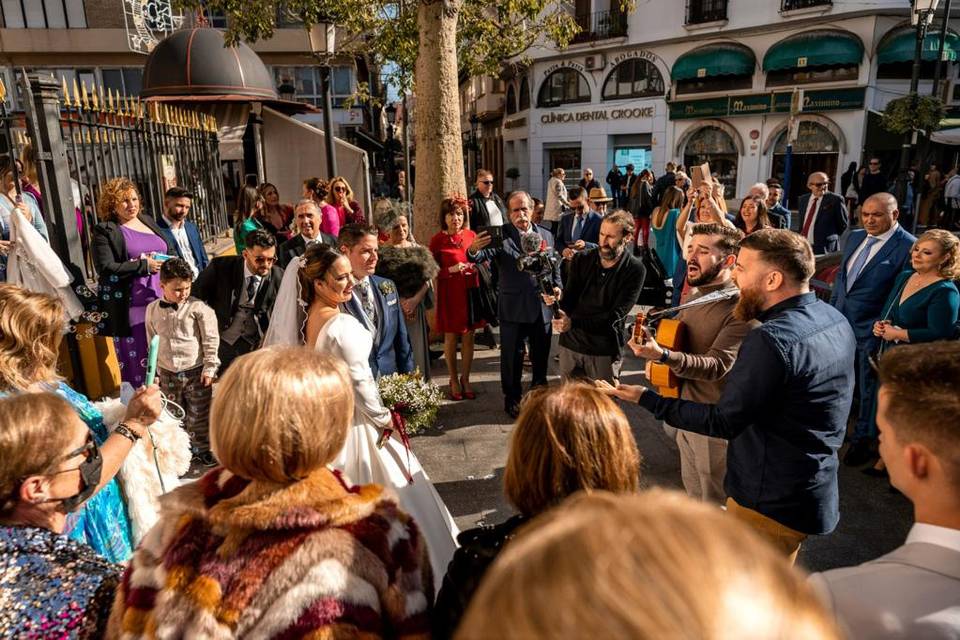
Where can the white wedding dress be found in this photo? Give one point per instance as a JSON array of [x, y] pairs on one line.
[[360, 460]]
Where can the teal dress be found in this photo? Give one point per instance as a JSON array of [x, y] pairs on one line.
[[929, 314], [103, 522], [665, 241], [241, 230]]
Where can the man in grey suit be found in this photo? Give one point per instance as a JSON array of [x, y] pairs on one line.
[[914, 591]]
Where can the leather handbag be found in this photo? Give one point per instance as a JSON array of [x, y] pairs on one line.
[[654, 290], [482, 300]]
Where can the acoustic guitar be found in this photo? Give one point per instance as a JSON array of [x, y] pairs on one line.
[[671, 334]]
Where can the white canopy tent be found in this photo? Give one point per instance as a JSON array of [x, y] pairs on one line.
[[294, 151]]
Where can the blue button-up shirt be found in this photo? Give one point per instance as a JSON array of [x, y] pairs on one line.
[[784, 409]]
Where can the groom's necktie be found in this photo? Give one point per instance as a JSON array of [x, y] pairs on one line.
[[366, 301]]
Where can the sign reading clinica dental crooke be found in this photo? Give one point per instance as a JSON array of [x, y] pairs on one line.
[[597, 114]]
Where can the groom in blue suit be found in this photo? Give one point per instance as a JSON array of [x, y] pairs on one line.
[[375, 303], [872, 259]]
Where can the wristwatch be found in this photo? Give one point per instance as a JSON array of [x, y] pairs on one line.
[[663, 356]]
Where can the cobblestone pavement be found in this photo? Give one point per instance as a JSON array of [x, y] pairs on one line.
[[465, 456]]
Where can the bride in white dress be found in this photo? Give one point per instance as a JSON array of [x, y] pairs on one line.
[[307, 311]]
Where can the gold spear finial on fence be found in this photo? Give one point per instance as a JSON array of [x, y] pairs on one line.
[[94, 101], [66, 94], [76, 94], [109, 102], [84, 96], [103, 103], [3, 91]]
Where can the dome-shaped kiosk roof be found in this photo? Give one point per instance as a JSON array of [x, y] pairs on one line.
[[194, 62]]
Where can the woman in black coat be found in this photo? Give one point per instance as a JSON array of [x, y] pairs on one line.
[[128, 249], [567, 439]]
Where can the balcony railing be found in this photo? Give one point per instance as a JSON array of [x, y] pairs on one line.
[[700, 11], [600, 26], [790, 5]]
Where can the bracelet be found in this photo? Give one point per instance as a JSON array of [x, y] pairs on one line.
[[127, 433], [663, 356]]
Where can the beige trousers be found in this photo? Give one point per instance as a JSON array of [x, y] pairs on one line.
[[703, 466]]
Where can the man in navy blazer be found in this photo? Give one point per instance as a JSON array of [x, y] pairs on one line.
[[569, 234], [524, 310], [872, 259], [375, 303], [180, 232], [823, 215]]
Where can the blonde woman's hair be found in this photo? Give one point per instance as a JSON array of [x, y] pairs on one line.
[[653, 565], [112, 193], [31, 328], [347, 195], [567, 439], [281, 413], [28, 158], [556, 173], [949, 247], [35, 431]]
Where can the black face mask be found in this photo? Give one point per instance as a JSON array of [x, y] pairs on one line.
[[90, 470]]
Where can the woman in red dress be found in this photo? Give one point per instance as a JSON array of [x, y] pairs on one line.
[[457, 276]]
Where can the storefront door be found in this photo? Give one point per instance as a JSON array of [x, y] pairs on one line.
[[715, 147], [816, 149], [568, 159]]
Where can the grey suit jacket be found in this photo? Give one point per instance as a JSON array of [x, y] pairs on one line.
[[912, 592]]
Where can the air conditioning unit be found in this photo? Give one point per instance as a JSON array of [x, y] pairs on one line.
[[596, 62]]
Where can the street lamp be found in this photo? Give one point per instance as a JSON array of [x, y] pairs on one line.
[[390, 169], [921, 17], [322, 45]]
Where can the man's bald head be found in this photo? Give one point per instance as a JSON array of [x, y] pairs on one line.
[[818, 183], [879, 213]]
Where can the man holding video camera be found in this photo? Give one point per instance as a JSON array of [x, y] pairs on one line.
[[601, 289], [529, 288]]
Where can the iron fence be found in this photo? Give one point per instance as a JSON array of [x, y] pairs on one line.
[[600, 25]]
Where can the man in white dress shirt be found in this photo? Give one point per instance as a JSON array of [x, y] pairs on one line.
[[823, 215], [180, 232], [914, 591]]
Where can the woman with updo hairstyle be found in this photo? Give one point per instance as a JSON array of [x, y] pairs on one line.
[[319, 283], [752, 216], [128, 249], [31, 331], [51, 586], [456, 277], [647, 566], [318, 190], [275, 543], [567, 439]]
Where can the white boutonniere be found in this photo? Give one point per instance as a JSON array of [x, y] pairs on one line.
[[386, 288]]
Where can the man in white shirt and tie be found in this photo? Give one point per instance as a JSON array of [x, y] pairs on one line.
[[873, 258], [823, 215], [307, 215], [180, 232], [914, 591]]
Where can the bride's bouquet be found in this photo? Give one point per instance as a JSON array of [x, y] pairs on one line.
[[412, 400]]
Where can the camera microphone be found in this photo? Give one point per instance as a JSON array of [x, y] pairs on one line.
[[530, 242]]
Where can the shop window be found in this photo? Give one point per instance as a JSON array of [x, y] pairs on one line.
[[904, 70], [524, 100], [790, 77], [511, 100], [564, 86], [714, 83], [716, 147], [812, 137], [634, 78]]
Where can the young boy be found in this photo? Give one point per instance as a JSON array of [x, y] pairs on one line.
[[187, 361]]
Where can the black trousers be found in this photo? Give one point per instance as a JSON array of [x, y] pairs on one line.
[[512, 335], [230, 352]]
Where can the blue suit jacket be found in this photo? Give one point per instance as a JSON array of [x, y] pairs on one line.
[[520, 299], [193, 237], [391, 351], [830, 223], [863, 304], [590, 233]]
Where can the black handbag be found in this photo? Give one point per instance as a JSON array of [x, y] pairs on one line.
[[482, 300], [654, 290]]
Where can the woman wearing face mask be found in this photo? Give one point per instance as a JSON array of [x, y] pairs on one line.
[[31, 326], [52, 586]]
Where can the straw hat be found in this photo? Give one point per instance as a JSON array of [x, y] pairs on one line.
[[599, 194]]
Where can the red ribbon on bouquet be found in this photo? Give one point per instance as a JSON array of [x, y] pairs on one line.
[[401, 427]]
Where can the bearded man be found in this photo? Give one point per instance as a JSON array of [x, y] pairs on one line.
[[787, 397], [180, 232], [601, 288], [713, 339]]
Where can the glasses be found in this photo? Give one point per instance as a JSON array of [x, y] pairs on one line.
[[818, 184], [486, 182], [340, 189]]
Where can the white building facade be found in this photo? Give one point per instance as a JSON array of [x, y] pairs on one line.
[[711, 81]]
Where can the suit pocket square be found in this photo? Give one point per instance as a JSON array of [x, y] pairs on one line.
[[391, 303]]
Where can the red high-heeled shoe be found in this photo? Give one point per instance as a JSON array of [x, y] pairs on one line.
[[454, 395], [469, 395]]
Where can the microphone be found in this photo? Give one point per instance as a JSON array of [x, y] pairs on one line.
[[530, 242]]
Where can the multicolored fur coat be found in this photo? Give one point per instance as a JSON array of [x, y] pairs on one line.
[[231, 558]]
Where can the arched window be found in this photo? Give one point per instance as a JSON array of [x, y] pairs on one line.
[[715, 146], [563, 86], [633, 78], [511, 100], [524, 95]]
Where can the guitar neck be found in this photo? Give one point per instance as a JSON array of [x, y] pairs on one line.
[[707, 299]]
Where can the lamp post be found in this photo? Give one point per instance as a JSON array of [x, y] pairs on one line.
[[390, 168], [475, 140], [921, 17], [322, 45], [943, 39]]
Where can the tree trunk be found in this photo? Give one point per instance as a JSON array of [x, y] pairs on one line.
[[439, 159]]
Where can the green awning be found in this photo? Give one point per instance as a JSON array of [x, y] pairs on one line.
[[714, 60], [901, 46], [814, 49]]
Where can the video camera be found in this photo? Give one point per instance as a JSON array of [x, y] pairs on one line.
[[538, 262]]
